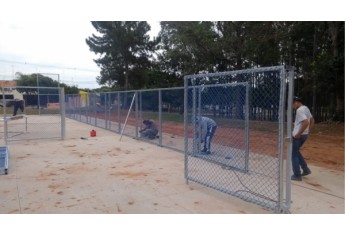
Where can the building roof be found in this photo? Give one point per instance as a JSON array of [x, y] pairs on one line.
[[8, 83]]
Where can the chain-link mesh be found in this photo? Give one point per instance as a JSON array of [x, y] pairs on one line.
[[172, 118], [246, 151], [30, 113], [124, 112], [226, 106]]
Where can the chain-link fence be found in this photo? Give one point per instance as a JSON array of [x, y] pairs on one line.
[[243, 155], [30, 113], [123, 112], [235, 124]]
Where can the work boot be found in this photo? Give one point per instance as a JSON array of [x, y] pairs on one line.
[[306, 172], [296, 178]]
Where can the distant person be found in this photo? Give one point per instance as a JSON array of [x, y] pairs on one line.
[[150, 130], [18, 103], [208, 128], [303, 123]]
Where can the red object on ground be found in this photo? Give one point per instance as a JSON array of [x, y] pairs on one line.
[[93, 133]]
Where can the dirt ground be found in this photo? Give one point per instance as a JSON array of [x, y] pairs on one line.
[[105, 175], [325, 146]]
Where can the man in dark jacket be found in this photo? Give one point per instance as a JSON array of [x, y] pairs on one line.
[[150, 130]]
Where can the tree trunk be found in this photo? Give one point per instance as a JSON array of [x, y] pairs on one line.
[[314, 76], [126, 85], [339, 75]]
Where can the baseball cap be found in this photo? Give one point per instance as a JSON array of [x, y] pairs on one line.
[[297, 99]]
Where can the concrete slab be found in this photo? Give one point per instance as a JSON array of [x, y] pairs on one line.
[[102, 174]]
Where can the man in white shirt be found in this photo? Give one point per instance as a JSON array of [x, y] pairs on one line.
[[303, 122], [18, 102]]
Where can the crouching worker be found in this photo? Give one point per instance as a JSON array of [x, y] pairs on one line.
[[150, 130]]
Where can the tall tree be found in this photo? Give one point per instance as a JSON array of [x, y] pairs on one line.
[[313, 49], [187, 47], [336, 30], [125, 50]]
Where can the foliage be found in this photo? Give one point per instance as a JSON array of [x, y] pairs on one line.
[[129, 60], [38, 80], [125, 51]]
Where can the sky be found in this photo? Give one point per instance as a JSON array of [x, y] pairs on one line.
[[56, 49], [48, 37]]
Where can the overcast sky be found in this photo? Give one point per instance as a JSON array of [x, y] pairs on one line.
[[54, 48], [48, 37]]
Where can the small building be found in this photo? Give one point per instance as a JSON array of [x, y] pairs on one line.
[[9, 92]]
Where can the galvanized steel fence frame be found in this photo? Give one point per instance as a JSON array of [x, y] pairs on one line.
[[171, 109], [43, 116], [263, 175], [111, 111]]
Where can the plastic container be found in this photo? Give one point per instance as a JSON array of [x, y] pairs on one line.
[[93, 133], [4, 160]]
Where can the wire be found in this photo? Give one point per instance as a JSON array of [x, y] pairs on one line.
[[51, 66]]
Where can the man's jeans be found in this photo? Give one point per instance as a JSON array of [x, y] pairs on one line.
[[297, 158], [208, 138], [18, 105]]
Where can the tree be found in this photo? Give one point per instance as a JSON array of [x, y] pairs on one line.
[[336, 31], [125, 51], [34, 80], [315, 49], [187, 47]]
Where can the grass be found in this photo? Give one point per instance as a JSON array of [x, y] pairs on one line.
[[174, 117]]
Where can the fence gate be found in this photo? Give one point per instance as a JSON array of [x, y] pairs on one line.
[[247, 149], [40, 113]]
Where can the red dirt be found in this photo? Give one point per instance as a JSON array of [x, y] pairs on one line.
[[324, 147]]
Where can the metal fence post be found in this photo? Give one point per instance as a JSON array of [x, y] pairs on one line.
[[289, 136], [185, 128], [119, 104], [160, 115], [246, 127], [137, 110], [63, 112]]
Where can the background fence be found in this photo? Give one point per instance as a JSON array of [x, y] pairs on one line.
[[109, 111], [248, 147], [42, 117]]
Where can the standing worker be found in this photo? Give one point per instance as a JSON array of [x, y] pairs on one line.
[[303, 123], [18, 102]]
